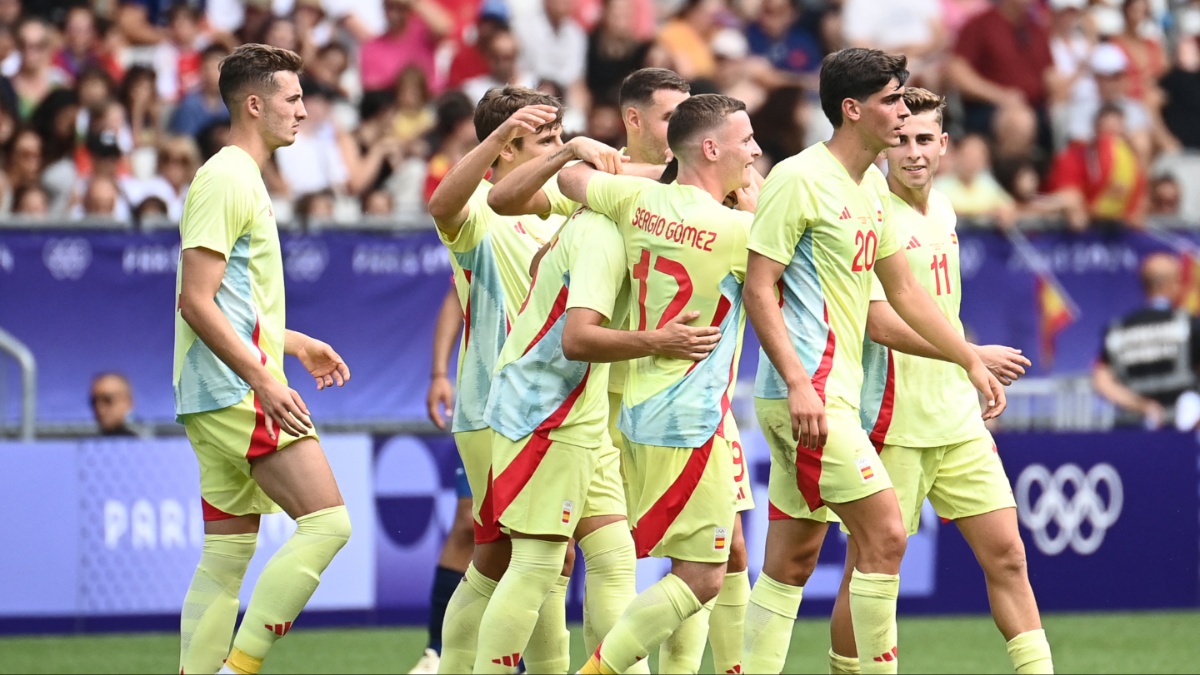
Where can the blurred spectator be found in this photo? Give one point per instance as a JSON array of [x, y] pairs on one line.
[[177, 161], [414, 117], [1071, 46], [138, 21], [281, 32], [1104, 172], [956, 13], [783, 114], [1149, 357], [101, 199], [177, 58], [97, 192], [256, 14], [203, 105], [330, 66], [685, 38], [1147, 61], [1001, 64], [604, 123], [378, 202], [1021, 180], [553, 47], [37, 76], [452, 138], [971, 187], [501, 55], [56, 123], [1165, 197], [212, 138], [93, 88], [780, 35], [1181, 87], [315, 207], [1108, 65], [24, 159], [469, 60], [80, 42], [31, 201], [142, 105], [112, 404], [913, 28], [314, 162], [10, 57], [313, 28], [150, 210], [414, 28], [373, 150], [10, 12], [738, 74], [613, 49]]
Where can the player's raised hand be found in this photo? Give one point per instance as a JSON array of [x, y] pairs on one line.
[[599, 155], [283, 408], [439, 400], [809, 426], [1006, 363], [992, 390], [677, 340], [324, 364], [526, 121]]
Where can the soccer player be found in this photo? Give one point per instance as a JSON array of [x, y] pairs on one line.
[[490, 255], [821, 228], [647, 98], [460, 540], [252, 434], [686, 252], [923, 413]]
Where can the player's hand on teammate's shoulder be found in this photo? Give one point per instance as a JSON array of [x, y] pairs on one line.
[[525, 121], [677, 340], [1006, 363], [324, 364], [600, 155]]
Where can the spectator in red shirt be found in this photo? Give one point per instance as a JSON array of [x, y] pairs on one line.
[[1003, 66], [1104, 173], [413, 31]]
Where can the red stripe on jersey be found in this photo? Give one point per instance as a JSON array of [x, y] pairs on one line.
[[261, 442], [517, 474], [529, 293], [467, 311], [486, 529], [887, 407], [653, 525], [677, 271], [213, 513], [826, 365], [556, 311], [725, 402], [775, 513], [723, 307], [808, 476]]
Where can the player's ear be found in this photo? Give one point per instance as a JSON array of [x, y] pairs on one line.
[[945, 142], [709, 147], [254, 105], [851, 109], [509, 152], [633, 119]]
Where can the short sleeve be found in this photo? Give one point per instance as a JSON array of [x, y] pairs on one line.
[[877, 292], [560, 205], [597, 267], [737, 264], [217, 213], [473, 228], [611, 195], [780, 219]]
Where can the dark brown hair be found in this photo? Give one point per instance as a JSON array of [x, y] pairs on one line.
[[637, 89], [857, 73], [253, 66], [499, 103]]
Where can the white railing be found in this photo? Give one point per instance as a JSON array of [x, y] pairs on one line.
[[24, 358]]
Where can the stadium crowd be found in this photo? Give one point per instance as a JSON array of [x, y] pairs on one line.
[[1075, 111]]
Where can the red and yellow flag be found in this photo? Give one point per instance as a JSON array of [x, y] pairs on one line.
[[1189, 298], [1054, 314]]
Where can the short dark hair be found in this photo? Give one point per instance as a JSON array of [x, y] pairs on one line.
[[857, 73], [254, 65], [919, 101], [637, 89], [499, 103], [697, 115]]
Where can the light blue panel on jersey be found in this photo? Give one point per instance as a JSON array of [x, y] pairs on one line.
[[484, 335], [686, 414], [803, 315], [875, 370]]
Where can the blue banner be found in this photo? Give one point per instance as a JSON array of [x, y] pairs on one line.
[[86, 302]]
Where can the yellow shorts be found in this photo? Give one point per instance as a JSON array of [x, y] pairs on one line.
[[683, 500], [960, 480], [546, 487], [802, 480], [475, 449], [225, 441], [728, 430]]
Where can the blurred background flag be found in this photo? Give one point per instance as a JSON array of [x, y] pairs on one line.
[[1056, 310]]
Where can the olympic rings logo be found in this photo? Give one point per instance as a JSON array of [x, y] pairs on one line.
[[1068, 498]]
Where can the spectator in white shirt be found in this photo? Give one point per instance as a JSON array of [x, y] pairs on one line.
[[314, 162]]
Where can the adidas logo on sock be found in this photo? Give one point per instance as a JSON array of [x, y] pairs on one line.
[[889, 656], [511, 660], [279, 629]]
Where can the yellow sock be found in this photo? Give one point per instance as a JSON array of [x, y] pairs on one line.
[[683, 650], [728, 621], [611, 581], [873, 613], [549, 649], [508, 621], [460, 630], [842, 665], [288, 581], [210, 607], [770, 618], [1030, 653], [650, 618]]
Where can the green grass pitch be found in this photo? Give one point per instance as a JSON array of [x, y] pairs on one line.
[[1151, 642]]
